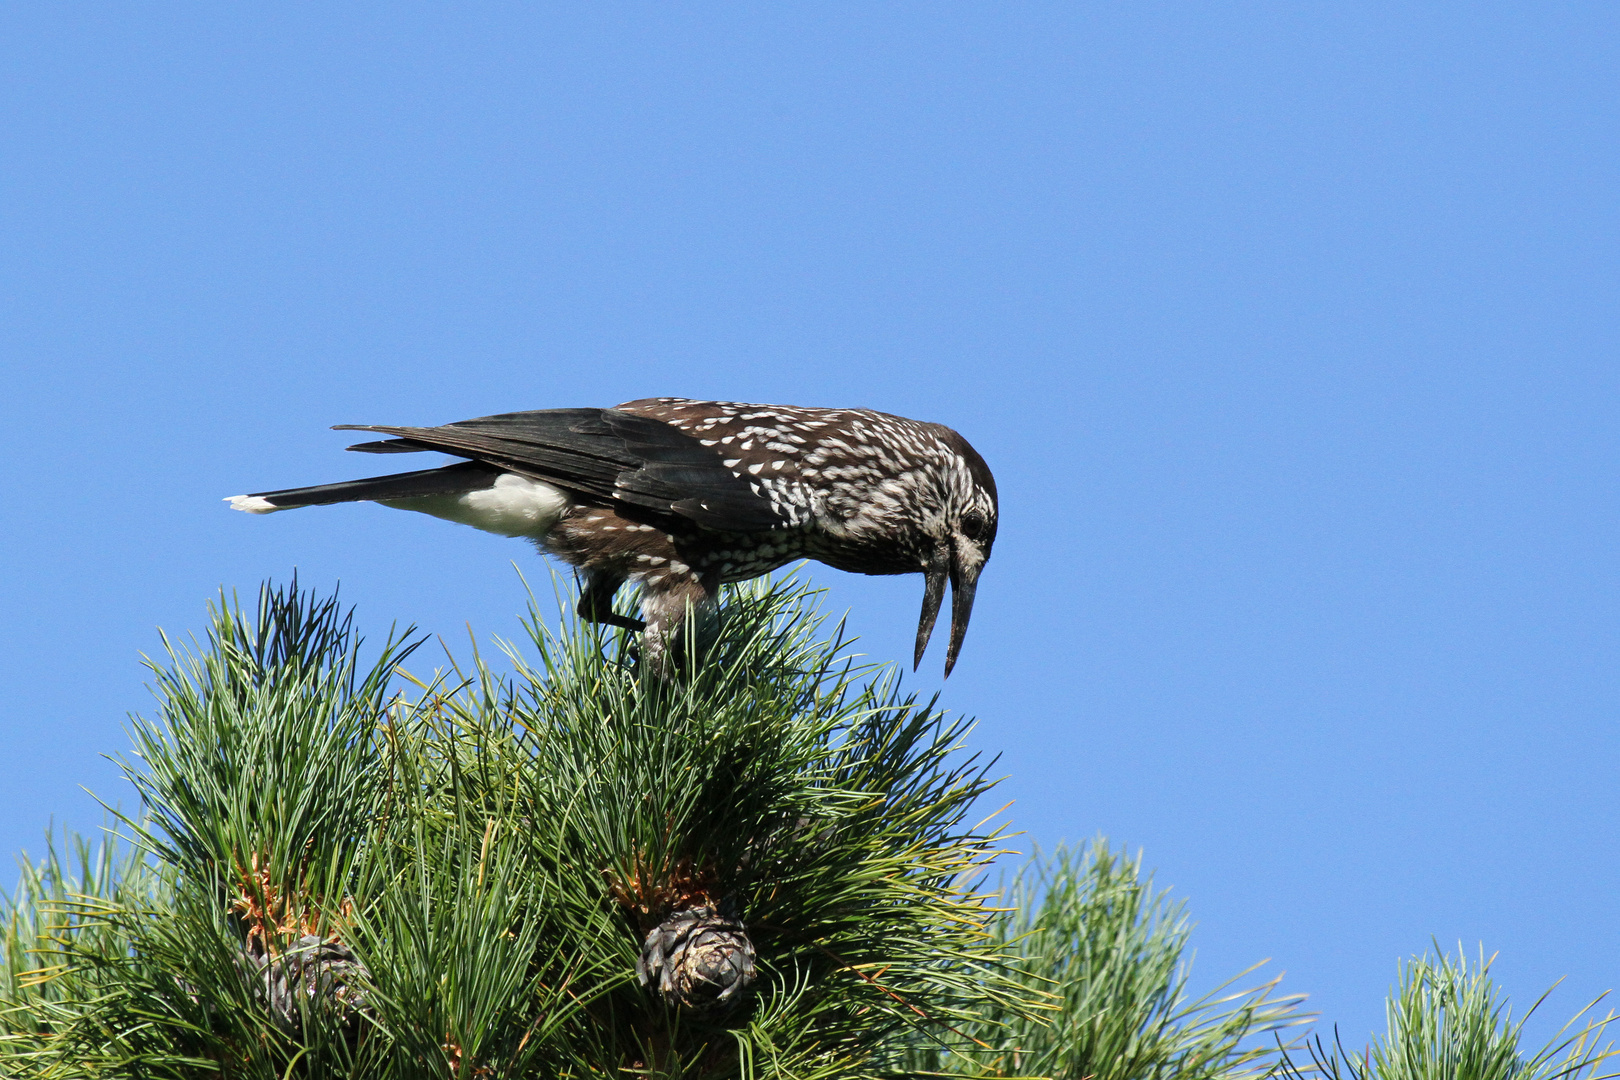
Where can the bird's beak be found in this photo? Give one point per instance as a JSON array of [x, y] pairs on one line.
[[964, 581], [933, 593]]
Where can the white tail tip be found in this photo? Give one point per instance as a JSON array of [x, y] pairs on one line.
[[253, 504]]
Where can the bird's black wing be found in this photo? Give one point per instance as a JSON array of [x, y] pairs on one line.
[[692, 477], [600, 452]]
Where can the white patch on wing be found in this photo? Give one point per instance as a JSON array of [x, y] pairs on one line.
[[513, 506], [253, 504]]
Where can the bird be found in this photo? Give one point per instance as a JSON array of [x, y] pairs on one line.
[[682, 496]]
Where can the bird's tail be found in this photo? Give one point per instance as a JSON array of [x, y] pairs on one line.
[[450, 480]]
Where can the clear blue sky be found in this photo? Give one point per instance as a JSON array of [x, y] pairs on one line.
[[1288, 328]]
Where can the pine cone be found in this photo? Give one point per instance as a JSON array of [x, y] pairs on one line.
[[698, 959], [310, 967]]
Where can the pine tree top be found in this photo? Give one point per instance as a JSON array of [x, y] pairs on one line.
[[346, 869]]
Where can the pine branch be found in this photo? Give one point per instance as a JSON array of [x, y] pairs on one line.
[[344, 872], [1108, 956], [1449, 1020]]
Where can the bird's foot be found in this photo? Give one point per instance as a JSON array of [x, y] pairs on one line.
[[623, 622]]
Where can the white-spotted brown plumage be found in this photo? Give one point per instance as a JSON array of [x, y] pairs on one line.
[[681, 496]]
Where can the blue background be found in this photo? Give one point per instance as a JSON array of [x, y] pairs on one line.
[[1288, 329]]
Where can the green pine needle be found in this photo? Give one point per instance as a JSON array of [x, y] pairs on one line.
[[1449, 1021], [491, 848], [484, 852], [1109, 955]]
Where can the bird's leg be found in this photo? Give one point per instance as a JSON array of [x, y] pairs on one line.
[[667, 609], [596, 602]]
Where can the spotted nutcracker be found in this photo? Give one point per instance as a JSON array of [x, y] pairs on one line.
[[682, 496]]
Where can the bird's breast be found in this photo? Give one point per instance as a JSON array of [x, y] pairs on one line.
[[864, 556], [740, 556]]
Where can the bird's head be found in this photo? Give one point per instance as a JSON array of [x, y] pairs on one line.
[[961, 540]]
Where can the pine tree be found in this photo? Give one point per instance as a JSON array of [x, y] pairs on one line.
[[562, 867], [1086, 933], [761, 866], [1448, 1020]]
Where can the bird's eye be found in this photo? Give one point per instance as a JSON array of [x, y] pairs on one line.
[[974, 524]]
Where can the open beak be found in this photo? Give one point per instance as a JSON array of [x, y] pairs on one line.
[[933, 594], [964, 583]]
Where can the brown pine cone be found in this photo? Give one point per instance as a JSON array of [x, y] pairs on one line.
[[309, 968], [698, 959]]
